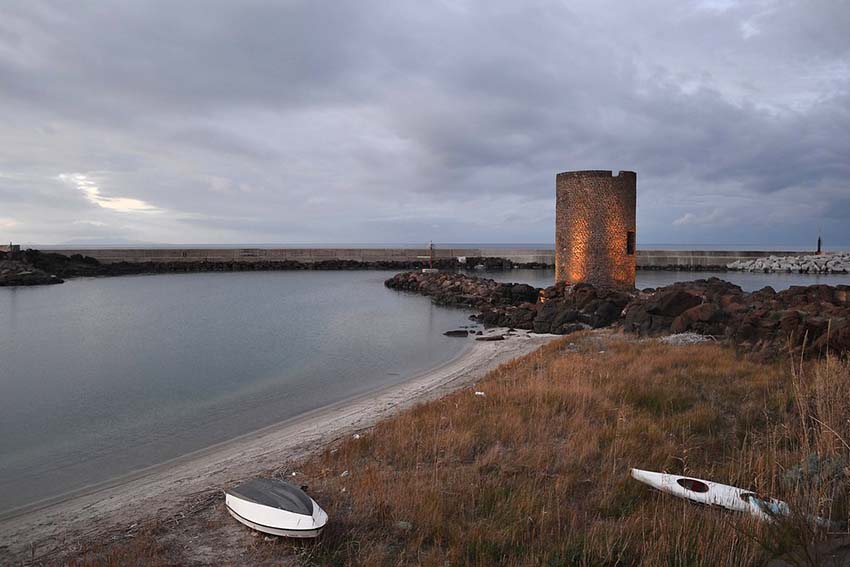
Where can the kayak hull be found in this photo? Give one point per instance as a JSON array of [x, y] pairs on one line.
[[713, 494]]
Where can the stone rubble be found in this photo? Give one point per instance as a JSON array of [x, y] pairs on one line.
[[17, 273], [556, 309], [685, 339], [803, 319], [838, 263]]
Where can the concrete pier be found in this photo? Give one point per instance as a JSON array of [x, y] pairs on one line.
[[646, 259]]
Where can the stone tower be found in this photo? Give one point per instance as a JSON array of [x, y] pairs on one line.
[[595, 228]]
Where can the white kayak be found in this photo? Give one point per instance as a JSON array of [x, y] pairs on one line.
[[713, 494], [275, 507]]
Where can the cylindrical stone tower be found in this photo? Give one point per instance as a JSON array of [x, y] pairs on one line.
[[595, 228]]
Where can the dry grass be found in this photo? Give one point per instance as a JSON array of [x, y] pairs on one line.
[[142, 548], [536, 472]]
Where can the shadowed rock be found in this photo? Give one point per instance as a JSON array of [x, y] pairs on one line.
[[807, 319]]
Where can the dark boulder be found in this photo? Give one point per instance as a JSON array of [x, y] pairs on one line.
[[605, 314], [564, 317], [524, 292], [672, 303], [690, 319], [546, 314]]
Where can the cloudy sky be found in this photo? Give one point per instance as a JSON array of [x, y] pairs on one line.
[[207, 121]]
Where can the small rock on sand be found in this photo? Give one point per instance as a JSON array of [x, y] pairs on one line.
[[457, 333]]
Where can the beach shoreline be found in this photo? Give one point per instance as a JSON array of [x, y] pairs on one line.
[[172, 489]]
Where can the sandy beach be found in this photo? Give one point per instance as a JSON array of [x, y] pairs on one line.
[[177, 488]]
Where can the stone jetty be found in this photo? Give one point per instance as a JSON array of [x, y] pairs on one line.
[[557, 309], [36, 267], [807, 319], [838, 263]]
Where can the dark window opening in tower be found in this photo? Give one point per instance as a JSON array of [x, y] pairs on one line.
[[630, 243]]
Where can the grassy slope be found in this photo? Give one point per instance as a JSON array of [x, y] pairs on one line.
[[536, 472]]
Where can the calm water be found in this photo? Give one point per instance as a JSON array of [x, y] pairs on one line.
[[101, 377], [747, 280]]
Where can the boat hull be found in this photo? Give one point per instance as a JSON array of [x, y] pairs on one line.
[[275, 520], [283, 532]]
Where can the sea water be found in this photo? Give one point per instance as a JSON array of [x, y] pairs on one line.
[[102, 377]]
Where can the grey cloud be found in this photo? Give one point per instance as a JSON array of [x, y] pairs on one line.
[[405, 121], [216, 141]]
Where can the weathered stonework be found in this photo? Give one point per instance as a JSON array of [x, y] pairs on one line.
[[595, 228]]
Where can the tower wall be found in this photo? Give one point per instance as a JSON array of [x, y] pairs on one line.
[[595, 228]]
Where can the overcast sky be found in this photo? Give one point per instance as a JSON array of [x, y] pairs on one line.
[[367, 121]]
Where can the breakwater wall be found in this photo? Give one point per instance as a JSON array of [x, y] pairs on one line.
[[699, 259], [305, 255], [646, 259]]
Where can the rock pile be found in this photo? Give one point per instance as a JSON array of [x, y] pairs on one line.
[[13, 273], [802, 318], [682, 307], [556, 309], [449, 288], [809, 319], [31, 267], [823, 264], [563, 309]]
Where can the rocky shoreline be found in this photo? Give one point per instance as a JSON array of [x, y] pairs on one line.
[[35, 267], [805, 319]]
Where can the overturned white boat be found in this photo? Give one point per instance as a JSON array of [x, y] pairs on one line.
[[713, 494], [275, 507]]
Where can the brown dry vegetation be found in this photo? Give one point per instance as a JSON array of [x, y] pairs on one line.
[[537, 472], [142, 549]]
